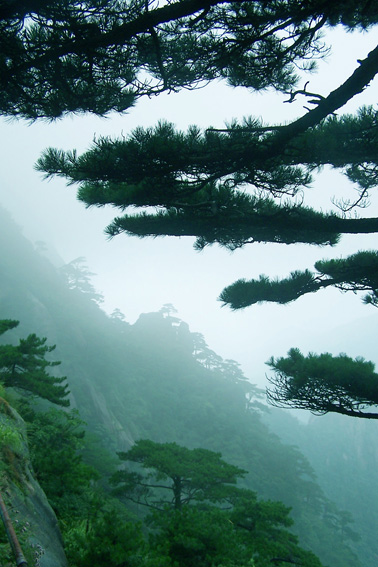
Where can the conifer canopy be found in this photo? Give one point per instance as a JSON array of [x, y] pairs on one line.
[[324, 383], [102, 55], [25, 367]]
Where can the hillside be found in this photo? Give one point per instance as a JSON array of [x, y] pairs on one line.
[[26, 504], [156, 379]]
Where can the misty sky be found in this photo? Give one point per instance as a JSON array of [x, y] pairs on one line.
[[141, 275]]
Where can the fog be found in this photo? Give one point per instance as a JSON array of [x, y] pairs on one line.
[[141, 275]]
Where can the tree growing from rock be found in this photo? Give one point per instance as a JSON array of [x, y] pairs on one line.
[[78, 277], [26, 368]]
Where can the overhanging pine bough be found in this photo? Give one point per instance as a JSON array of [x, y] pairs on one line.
[[358, 272], [98, 57], [324, 383], [196, 179]]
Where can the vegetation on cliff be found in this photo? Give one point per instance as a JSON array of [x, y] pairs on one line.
[[122, 387]]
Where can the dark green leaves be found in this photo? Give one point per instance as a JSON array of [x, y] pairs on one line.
[[25, 367], [85, 57], [324, 383], [183, 474], [200, 516], [358, 272], [7, 324], [244, 293], [233, 220]]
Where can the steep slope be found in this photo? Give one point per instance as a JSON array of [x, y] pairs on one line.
[[158, 380], [33, 519]]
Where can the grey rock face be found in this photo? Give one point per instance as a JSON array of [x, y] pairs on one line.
[[33, 519]]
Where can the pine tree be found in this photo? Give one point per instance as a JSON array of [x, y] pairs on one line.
[[103, 55], [234, 186], [25, 367], [200, 517], [78, 277], [181, 475], [324, 383]]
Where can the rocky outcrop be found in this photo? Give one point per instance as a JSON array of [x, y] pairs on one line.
[[33, 519]]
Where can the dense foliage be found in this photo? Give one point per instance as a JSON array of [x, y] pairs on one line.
[[358, 272], [25, 367], [202, 518], [187, 474], [223, 186], [226, 186], [219, 185], [103, 55], [323, 383], [205, 520]]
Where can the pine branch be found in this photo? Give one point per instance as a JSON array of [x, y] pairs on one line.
[[354, 85], [119, 34]]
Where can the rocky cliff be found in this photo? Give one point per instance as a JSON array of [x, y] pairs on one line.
[[32, 517]]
